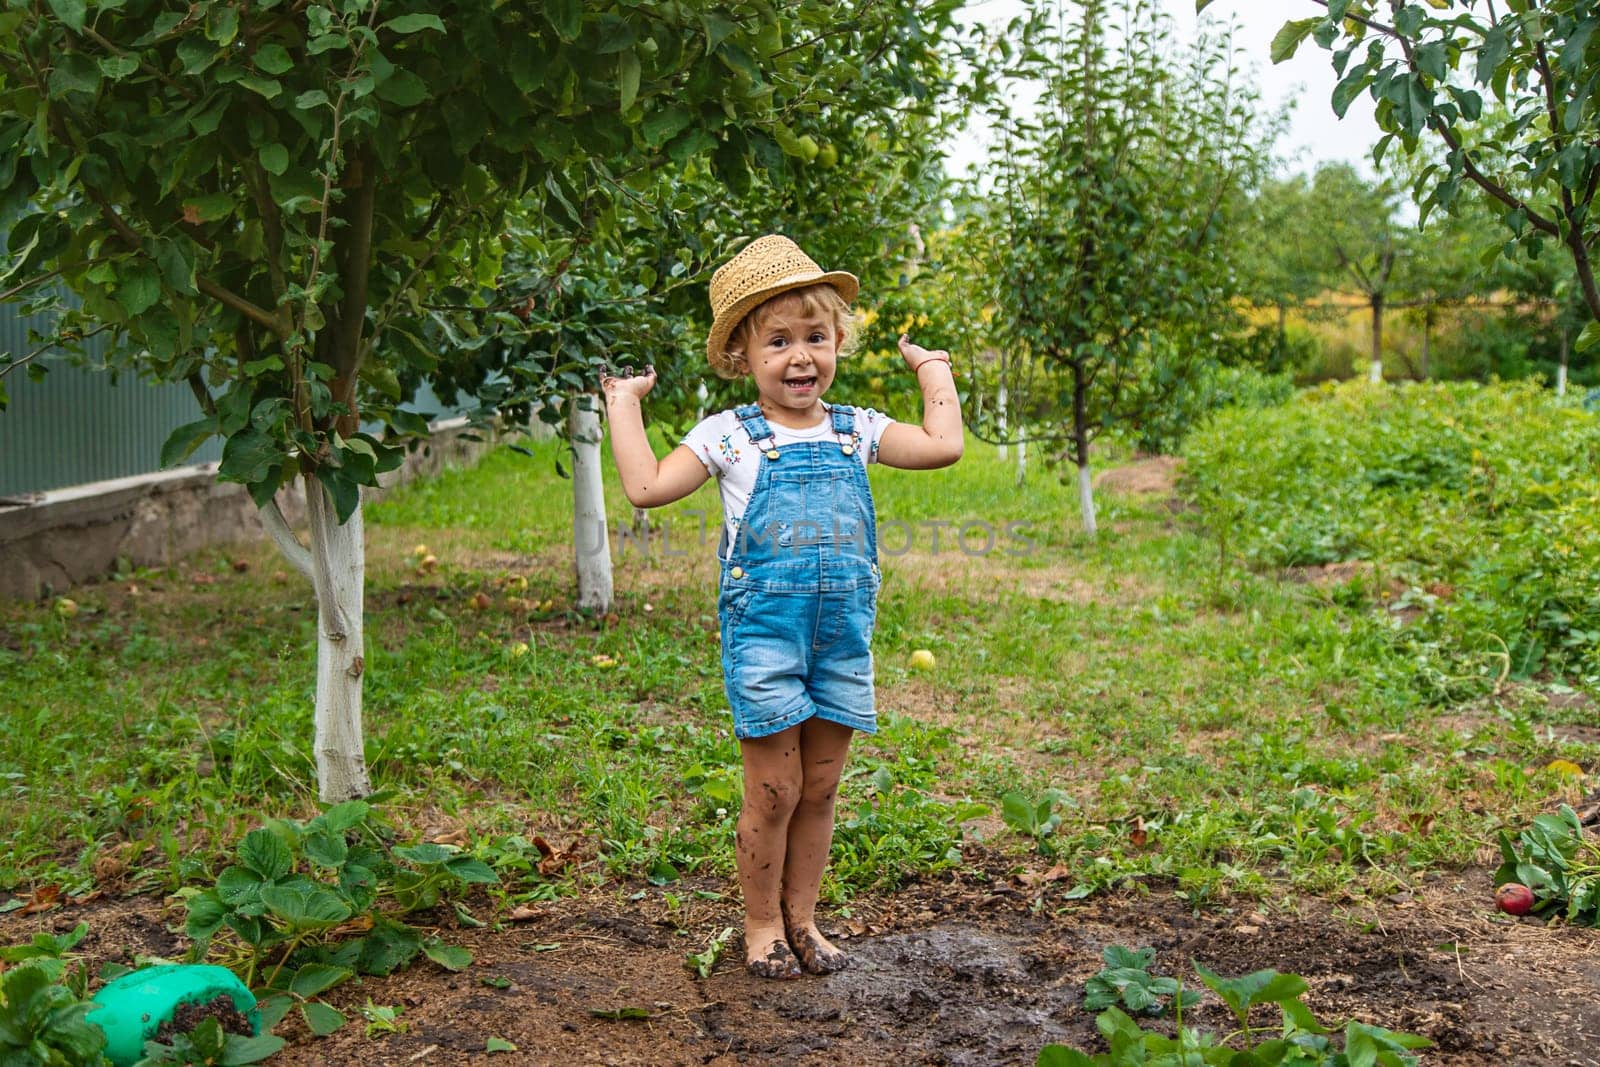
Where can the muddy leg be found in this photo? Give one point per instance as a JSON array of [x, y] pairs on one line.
[[822, 750], [771, 787]]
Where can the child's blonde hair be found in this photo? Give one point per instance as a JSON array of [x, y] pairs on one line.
[[820, 300]]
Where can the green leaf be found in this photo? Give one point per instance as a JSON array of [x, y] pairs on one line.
[[70, 12], [413, 24], [305, 907], [262, 851], [182, 442], [390, 946], [566, 16], [266, 87], [313, 978], [499, 1044], [628, 78], [1061, 1055], [274, 157], [273, 59], [425, 853], [472, 870], [403, 88], [450, 957], [241, 1050], [326, 849], [118, 67], [322, 1019], [211, 207], [1289, 38], [661, 125]]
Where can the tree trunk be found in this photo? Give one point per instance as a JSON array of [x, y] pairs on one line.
[[591, 546], [338, 564], [1561, 368], [1375, 374], [1086, 499], [1427, 336], [701, 395], [1080, 445], [1000, 417], [1022, 462]]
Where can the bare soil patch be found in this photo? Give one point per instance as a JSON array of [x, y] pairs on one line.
[[959, 970], [1153, 474]]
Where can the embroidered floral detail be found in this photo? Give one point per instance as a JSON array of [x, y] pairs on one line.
[[730, 451]]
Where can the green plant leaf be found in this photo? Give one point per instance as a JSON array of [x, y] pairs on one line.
[[241, 1050], [450, 957], [261, 850], [274, 158], [499, 1044], [305, 907], [182, 442], [313, 978], [413, 24], [469, 869], [321, 1018]]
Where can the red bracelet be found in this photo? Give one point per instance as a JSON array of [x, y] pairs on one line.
[[933, 359]]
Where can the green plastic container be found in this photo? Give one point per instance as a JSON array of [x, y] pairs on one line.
[[132, 1008]]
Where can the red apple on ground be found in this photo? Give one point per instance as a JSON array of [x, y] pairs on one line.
[[1514, 899]]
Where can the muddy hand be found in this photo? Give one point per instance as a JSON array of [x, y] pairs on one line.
[[626, 383]]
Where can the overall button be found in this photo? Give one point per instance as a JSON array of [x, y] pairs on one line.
[[737, 572], [848, 450], [772, 453]]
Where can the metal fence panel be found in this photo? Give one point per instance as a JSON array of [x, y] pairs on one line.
[[78, 425]]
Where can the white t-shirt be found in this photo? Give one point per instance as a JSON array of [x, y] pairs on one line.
[[732, 459]]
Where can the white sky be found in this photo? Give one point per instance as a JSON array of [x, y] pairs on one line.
[[1314, 133]]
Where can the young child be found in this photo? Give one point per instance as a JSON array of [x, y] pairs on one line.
[[799, 587]]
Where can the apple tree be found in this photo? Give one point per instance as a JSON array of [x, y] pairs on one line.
[[1529, 148], [1102, 237], [297, 209]]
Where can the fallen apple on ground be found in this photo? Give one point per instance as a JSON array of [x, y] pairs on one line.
[[922, 660], [1514, 899], [66, 607]]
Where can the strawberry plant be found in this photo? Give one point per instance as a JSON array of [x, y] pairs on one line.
[[42, 1022], [306, 906], [1558, 863], [1302, 1042], [1033, 818], [209, 1044], [1127, 978]]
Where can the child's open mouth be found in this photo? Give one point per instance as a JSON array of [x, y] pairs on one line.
[[801, 383]]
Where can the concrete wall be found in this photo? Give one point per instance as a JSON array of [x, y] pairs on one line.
[[58, 539]]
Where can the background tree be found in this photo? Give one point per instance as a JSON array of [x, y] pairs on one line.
[[288, 207], [1428, 65], [1105, 217]]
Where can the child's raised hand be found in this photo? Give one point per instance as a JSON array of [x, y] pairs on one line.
[[915, 355], [634, 385]]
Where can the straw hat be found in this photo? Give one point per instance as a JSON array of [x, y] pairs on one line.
[[764, 268]]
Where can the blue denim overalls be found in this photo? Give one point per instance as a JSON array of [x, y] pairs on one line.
[[800, 585]]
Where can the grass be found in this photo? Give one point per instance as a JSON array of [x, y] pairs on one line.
[[1191, 723]]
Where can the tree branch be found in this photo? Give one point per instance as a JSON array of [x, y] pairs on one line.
[[288, 543]]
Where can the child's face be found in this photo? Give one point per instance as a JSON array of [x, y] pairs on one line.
[[792, 356]]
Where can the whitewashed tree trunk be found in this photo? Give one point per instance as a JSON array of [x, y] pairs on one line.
[[1561, 369], [1375, 372], [701, 395], [1022, 461], [591, 546], [1086, 499], [1000, 415], [338, 572]]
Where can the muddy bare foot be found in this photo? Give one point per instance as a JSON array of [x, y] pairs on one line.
[[770, 958], [817, 954]]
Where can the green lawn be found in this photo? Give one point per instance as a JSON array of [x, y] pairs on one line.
[[1149, 711]]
